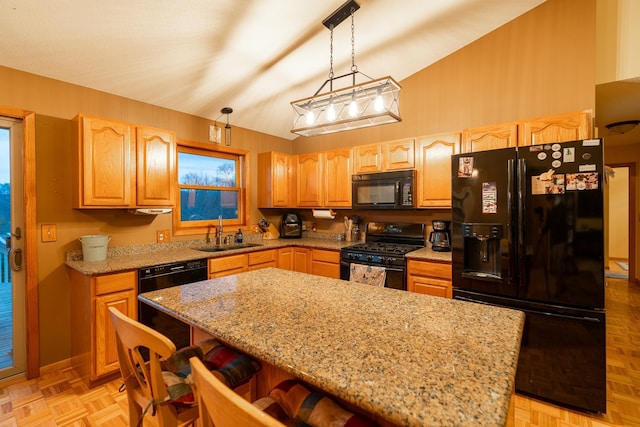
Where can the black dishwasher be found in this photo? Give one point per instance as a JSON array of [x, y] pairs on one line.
[[162, 277]]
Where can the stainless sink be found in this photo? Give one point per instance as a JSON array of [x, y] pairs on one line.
[[228, 247]]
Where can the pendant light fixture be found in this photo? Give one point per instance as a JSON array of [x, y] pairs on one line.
[[374, 102], [227, 128]]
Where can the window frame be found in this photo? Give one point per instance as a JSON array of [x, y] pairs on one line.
[[242, 178]]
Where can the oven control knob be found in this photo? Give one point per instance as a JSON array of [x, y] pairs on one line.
[[369, 258]]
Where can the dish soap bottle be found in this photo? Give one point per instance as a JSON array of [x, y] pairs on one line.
[[239, 236]]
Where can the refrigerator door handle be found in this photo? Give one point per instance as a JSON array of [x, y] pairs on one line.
[[520, 224], [513, 261], [525, 311]]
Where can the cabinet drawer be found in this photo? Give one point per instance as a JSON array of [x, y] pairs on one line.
[[228, 263], [431, 269], [326, 256], [115, 282], [262, 257], [430, 286]]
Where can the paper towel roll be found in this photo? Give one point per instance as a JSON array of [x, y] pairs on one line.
[[324, 213]]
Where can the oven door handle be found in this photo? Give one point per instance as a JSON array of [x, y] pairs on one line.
[[386, 267]]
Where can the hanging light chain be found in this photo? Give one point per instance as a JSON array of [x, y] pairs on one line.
[[331, 59], [354, 67]]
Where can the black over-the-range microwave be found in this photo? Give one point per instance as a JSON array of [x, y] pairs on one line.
[[383, 190]]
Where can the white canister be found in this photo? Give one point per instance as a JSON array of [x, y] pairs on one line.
[[94, 247]]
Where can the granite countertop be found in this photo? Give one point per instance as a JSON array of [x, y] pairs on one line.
[[412, 359], [140, 256], [429, 254]]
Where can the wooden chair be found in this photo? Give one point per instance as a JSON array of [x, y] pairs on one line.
[[143, 380], [221, 406]]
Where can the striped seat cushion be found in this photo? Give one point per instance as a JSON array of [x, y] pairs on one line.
[[227, 365], [313, 408]]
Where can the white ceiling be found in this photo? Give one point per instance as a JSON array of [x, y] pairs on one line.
[[255, 56]]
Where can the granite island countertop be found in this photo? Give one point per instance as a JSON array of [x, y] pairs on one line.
[[412, 359], [147, 255]]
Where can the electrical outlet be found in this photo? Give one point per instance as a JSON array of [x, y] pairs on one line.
[[163, 236], [48, 232]]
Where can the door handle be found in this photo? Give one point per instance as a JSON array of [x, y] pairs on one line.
[[15, 259]]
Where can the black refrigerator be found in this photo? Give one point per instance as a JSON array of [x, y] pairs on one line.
[[527, 233]]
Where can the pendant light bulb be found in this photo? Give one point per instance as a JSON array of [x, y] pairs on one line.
[[378, 104], [309, 117], [331, 112], [353, 106]]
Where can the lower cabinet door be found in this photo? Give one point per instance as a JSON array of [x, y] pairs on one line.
[[429, 286], [106, 354]]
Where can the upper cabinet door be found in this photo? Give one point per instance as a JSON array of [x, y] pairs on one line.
[[434, 169], [156, 159], [367, 158], [274, 180], [398, 154], [557, 128], [106, 163], [490, 137], [337, 174], [309, 180]]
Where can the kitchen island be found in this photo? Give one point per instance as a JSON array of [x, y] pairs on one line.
[[409, 359]]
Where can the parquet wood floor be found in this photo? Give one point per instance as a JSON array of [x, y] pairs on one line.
[[59, 398]]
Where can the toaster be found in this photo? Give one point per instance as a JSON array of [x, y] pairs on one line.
[[291, 227]]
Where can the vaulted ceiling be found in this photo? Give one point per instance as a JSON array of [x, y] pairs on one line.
[[255, 56]]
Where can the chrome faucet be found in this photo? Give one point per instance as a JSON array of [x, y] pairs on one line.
[[219, 231]]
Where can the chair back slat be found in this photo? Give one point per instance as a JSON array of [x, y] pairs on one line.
[[220, 406]]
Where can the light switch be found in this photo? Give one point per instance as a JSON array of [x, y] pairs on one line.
[[48, 232]]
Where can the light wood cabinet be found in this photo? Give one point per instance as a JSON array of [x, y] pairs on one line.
[[321, 179], [275, 180], [385, 156], [285, 258], [309, 180], [104, 164], [262, 259], [337, 178], [301, 260], [430, 278], [434, 169], [155, 167], [397, 155], [556, 128], [228, 265], [367, 158], [93, 348], [121, 165], [490, 137], [325, 263]]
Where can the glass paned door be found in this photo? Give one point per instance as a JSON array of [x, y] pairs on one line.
[[12, 277]]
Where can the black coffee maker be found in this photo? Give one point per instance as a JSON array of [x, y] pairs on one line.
[[440, 237]]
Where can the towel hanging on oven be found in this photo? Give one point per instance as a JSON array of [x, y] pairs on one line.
[[369, 274]]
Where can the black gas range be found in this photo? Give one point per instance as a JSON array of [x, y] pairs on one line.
[[385, 246]]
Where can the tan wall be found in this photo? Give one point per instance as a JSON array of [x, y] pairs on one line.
[[625, 155], [539, 64], [618, 232], [617, 42]]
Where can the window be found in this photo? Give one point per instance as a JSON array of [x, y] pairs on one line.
[[211, 184]]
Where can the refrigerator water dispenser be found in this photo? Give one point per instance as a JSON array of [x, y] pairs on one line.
[[482, 251]]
